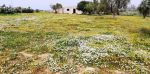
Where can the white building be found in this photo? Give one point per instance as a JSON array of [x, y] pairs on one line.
[[69, 10]]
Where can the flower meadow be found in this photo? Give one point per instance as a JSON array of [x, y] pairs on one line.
[[46, 43]]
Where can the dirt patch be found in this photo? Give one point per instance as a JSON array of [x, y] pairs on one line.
[[89, 70], [26, 55], [41, 70]]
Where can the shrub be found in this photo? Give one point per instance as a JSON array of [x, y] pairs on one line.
[[11, 10], [65, 43], [37, 10], [27, 10], [6, 10]]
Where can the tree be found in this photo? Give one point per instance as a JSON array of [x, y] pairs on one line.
[[3, 9], [11, 10], [116, 5], [6, 10], [102, 7], [37, 10], [89, 8], [18, 10], [82, 6], [144, 8], [121, 4], [56, 7], [95, 5], [27, 10]]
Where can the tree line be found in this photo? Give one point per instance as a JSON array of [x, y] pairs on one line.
[[113, 7], [11, 10], [105, 7], [101, 7], [98, 6]]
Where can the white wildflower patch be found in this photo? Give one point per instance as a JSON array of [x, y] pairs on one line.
[[109, 45], [52, 64], [65, 69], [104, 37], [142, 53]]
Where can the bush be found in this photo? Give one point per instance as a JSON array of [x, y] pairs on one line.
[[10, 10], [37, 10], [6, 10], [27, 10]]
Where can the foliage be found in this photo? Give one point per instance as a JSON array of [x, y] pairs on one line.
[[82, 6], [65, 43], [27, 10], [37, 10], [6, 10], [144, 8], [56, 7], [89, 8], [11, 10], [116, 5], [103, 6]]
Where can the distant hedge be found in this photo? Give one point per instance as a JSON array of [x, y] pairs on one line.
[[11, 10]]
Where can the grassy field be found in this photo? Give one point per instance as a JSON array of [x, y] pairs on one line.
[[45, 43]]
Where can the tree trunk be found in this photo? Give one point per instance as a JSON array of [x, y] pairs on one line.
[[111, 9], [118, 13], [55, 11], [113, 14], [144, 16]]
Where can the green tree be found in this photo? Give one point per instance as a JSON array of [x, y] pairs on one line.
[[102, 7], [18, 10], [3, 9], [82, 6], [121, 4], [95, 5], [116, 5], [90, 8], [56, 7], [144, 8]]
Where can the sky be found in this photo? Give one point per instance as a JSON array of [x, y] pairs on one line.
[[45, 4]]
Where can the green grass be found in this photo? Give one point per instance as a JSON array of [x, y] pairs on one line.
[[61, 35]]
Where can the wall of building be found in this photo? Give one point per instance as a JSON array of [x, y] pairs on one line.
[[69, 10]]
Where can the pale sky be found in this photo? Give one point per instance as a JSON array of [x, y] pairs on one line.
[[45, 4]]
